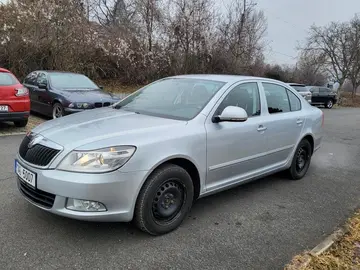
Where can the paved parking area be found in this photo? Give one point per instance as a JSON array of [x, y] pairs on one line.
[[260, 225]]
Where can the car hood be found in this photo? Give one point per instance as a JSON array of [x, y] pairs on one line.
[[100, 124], [88, 95]]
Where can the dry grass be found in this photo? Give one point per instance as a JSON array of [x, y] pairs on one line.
[[348, 101], [113, 86], [343, 255]]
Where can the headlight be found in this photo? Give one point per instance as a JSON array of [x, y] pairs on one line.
[[96, 161], [79, 105]]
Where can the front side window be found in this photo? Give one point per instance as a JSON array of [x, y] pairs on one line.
[[246, 96], [71, 81], [7, 79], [41, 79], [276, 97], [176, 98]]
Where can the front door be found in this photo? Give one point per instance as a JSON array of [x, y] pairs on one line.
[[235, 150], [43, 95]]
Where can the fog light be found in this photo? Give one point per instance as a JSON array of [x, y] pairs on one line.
[[84, 205]]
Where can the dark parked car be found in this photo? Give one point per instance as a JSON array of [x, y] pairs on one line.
[[56, 94], [323, 96]]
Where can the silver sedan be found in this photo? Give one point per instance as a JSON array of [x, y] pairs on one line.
[[149, 156]]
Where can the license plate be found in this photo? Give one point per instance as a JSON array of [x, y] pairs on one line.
[[4, 108], [25, 175]]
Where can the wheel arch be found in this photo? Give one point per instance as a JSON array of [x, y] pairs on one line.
[[184, 162], [309, 137]]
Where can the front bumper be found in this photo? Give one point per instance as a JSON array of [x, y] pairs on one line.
[[14, 116], [116, 190]]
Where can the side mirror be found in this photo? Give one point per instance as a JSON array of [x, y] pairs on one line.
[[231, 114], [101, 87], [42, 86]]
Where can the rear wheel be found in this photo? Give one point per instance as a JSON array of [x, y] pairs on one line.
[[58, 110], [21, 123], [301, 160], [329, 104], [164, 200]]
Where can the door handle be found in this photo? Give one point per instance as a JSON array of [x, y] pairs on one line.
[[299, 121], [261, 128]]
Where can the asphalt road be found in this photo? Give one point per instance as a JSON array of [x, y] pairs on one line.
[[260, 225]]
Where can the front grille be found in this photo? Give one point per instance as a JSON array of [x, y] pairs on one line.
[[100, 105], [37, 196], [39, 155]]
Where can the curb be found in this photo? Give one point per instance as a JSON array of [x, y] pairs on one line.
[[322, 247], [12, 134]]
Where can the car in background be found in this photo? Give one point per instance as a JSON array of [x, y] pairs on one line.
[[303, 90], [14, 99], [149, 156], [323, 96], [56, 94]]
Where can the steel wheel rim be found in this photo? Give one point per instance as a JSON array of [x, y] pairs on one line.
[[302, 159], [168, 201], [57, 112]]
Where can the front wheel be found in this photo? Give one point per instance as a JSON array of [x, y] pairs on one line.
[[301, 160], [164, 200], [329, 104], [58, 111]]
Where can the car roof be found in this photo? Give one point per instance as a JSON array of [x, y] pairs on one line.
[[4, 70], [56, 71], [296, 84], [224, 78]]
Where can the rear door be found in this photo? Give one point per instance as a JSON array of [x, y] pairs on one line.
[[284, 122], [316, 98]]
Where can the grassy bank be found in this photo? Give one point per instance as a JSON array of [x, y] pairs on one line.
[[344, 254], [117, 87]]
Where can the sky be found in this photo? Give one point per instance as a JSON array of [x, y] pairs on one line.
[[289, 20]]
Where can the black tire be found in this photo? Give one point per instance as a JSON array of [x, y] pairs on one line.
[[21, 123], [329, 104], [301, 160], [164, 201], [58, 110]]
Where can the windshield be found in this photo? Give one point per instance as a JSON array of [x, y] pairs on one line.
[[71, 81], [7, 79], [300, 88], [176, 98]]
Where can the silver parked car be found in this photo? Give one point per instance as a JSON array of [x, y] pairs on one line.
[[303, 91], [149, 156]]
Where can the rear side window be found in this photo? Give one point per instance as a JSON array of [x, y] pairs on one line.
[[277, 98], [7, 79], [295, 104], [324, 90]]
